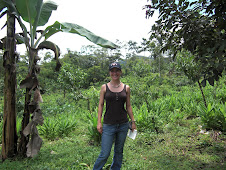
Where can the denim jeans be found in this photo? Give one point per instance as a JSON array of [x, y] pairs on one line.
[[112, 133]]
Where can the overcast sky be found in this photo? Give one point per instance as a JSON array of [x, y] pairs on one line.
[[111, 19]]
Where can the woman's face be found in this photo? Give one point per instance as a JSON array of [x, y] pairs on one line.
[[115, 73]]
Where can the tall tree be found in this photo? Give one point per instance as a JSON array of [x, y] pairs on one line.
[[197, 26], [9, 134]]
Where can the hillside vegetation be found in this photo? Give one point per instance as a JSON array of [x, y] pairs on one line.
[[175, 128]]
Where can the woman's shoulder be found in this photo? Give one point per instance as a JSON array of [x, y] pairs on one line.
[[127, 87], [103, 87]]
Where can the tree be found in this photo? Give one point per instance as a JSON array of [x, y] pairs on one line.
[[191, 68], [9, 134], [155, 49], [71, 79], [197, 26], [37, 13]]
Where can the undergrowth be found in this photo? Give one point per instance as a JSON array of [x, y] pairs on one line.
[[178, 147], [170, 128]]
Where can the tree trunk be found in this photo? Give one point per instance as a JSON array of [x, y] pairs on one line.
[[159, 66], [203, 96], [9, 133], [22, 148]]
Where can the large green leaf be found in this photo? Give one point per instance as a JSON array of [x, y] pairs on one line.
[[45, 12], [27, 9], [35, 12], [77, 29]]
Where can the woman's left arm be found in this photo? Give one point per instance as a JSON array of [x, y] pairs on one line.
[[129, 107]]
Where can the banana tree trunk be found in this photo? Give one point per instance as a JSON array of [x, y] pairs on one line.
[[24, 140], [9, 134], [22, 148]]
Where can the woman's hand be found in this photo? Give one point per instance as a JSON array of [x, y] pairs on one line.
[[133, 126], [99, 128]]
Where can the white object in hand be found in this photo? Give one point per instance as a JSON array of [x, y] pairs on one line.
[[132, 134]]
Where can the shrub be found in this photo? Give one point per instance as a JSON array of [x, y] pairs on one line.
[[93, 133], [147, 121], [57, 127], [213, 116]]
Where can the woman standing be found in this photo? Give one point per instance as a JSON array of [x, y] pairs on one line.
[[116, 124]]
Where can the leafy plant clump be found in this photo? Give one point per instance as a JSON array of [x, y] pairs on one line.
[[58, 127]]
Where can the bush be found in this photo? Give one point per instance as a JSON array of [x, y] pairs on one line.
[[93, 133], [147, 121], [213, 116], [57, 127]]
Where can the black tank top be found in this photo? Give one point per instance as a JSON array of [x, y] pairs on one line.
[[115, 107]]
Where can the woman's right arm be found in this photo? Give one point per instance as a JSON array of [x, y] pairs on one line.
[[100, 108]]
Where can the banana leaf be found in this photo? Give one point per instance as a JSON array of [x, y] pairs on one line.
[[77, 29]]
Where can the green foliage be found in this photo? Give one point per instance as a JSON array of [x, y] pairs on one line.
[[1, 128], [167, 125], [194, 26], [91, 95], [180, 146], [48, 129], [186, 63], [95, 74], [71, 78], [147, 121], [57, 127], [94, 135], [213, 117], [141, 68], [1, 108]]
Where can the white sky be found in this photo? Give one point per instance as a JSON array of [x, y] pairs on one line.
[[111, 19]]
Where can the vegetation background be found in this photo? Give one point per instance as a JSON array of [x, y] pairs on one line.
[[175, 129], [177, 93]]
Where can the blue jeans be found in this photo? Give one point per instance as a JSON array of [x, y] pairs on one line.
[[112, 133]]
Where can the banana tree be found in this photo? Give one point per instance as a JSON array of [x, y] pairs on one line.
[[9, 133], [37, 13]]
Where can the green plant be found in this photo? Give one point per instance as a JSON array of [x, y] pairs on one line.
[[93, 133], [213, 116], [57, 127], [65, 125], [48, 129], [190, 108], [1, 127], [92, 97], [18, 126], [145, 120]]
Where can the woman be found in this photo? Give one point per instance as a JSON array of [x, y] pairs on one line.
[[116, 124]]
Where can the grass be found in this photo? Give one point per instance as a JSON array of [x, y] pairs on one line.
[[179, 147]]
